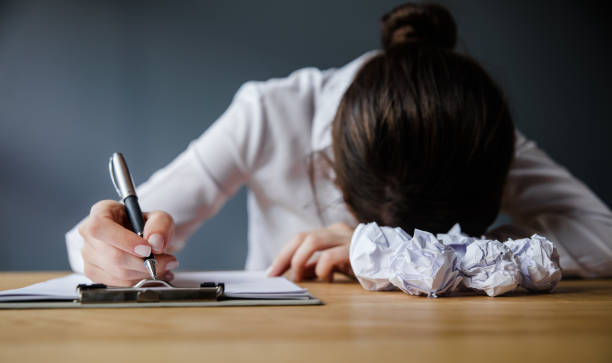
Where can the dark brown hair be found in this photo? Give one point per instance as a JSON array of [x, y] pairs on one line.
[[423, 137]]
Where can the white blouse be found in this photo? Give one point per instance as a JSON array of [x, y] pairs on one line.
[[276, 138]]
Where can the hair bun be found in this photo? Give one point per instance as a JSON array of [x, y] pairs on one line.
[[418, 24]]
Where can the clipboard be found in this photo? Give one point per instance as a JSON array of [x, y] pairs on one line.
[[154, 293]]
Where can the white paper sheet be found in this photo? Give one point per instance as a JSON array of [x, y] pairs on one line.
[[238, 284], [63, 288], [243, 284]]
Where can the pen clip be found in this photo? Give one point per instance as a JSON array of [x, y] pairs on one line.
[[111, 170], [123, 182]]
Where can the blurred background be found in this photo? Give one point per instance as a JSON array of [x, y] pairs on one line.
[[80, 80]]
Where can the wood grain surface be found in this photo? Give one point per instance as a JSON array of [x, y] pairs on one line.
[[573, 324]]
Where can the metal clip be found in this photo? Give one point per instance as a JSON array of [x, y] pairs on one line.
[[120, 175], [152, 283]]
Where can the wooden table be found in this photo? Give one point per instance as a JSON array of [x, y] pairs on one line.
[[574, 324]]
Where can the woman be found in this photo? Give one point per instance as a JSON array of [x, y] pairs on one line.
[[416, 136]]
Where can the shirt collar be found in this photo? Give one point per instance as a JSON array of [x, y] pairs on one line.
[[329, 99]]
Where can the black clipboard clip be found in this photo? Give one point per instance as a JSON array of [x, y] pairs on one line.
[[149, 291]]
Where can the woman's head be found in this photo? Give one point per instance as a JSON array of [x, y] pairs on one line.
[[422, 138]]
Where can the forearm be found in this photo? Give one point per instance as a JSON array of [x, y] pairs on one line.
[[196, 184], [543, 197]]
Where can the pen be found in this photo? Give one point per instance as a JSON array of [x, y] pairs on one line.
[[122, 180]]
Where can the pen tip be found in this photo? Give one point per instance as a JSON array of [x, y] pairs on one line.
[[150, 264]]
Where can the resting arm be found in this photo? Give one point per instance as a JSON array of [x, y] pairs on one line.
[[543, 197]]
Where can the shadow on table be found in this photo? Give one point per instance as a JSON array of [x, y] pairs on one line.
[[566, 287]]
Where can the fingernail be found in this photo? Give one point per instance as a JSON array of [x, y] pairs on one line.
[[157, 242], [172, 265], [268, 270], [142, 250]]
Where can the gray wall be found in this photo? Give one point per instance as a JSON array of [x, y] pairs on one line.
[[82, 79]]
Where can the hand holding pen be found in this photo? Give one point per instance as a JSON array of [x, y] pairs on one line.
[[118, 243], [124, 185]]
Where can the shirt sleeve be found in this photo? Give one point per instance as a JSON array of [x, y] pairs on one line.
[[543, 197], [196, 184]]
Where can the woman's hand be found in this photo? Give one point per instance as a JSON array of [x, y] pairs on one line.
[[113, 254], [317, 253]]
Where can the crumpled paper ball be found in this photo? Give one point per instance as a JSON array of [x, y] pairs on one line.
[[538, 261], [383, 258], [424, 266], [370, 254], [490, 266], [456, 240]]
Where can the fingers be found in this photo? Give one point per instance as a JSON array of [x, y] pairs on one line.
[[296, 254], [315, 241], [114, 259], [341, 228], [105, 224], [101, 276], [109, 208], [111, 268], [158, 230], [330, 260], [282, 262], [120, 265], [114, 254], [309, 270], [302, 254]]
